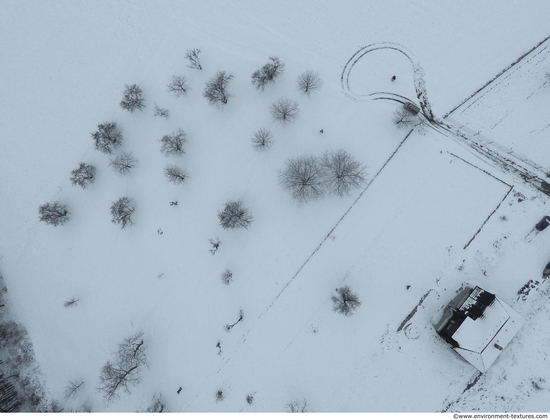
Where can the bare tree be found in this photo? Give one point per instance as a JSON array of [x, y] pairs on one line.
[[71, 302], [297, 406], [284, 110], [175, 174], [132, 99], [157, 406], [345, 301], [342, 172], [178, 86], [161, 112], [172, 144], [125, 370], [84, 408], [121, 212], [216, 89], [227, 277], [193, 57], [308, 82], [83, 175], [124, 163], [52, 406], [268, 73], [303, 177], [235, 215], [262, 139], [406, 119], [72, 389], [107, 137], [53, 213]]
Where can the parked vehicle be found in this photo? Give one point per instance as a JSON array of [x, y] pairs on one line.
[[543, 224], [412, 108]]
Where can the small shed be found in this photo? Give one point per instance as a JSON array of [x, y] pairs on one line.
[[479, 326]]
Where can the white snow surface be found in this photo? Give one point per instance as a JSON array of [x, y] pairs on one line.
[[63, 67]]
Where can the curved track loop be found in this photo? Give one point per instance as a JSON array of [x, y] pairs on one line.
[[418, 72], [496, 155]]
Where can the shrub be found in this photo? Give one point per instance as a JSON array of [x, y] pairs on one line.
[[227, 277]]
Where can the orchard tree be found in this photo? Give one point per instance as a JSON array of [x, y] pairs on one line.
[[345, 302], [268, 73], [125, 370], [83, 175], [53, 213], [342, 172], [175, 174], [193, 57], [235, 215], [72, 389], [216, 89], [284, 110], [308, 82], [303, 177], [178, 86], [172, 144], [297, 406], [132, 99], [107, 137], [262, 139], [124, 163], [121, 212], [161, 112]]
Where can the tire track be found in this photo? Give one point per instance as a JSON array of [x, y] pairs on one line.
[[418, 71], [494, 154], [499, 74]]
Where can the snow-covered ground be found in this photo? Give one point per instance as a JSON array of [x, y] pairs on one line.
[[63, 68]]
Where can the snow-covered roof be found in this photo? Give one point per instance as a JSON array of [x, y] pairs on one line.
[[480, 341]]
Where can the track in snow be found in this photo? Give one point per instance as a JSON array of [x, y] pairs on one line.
[[490, 152]]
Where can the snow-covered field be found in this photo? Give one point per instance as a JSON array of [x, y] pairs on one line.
[[63, 68]]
